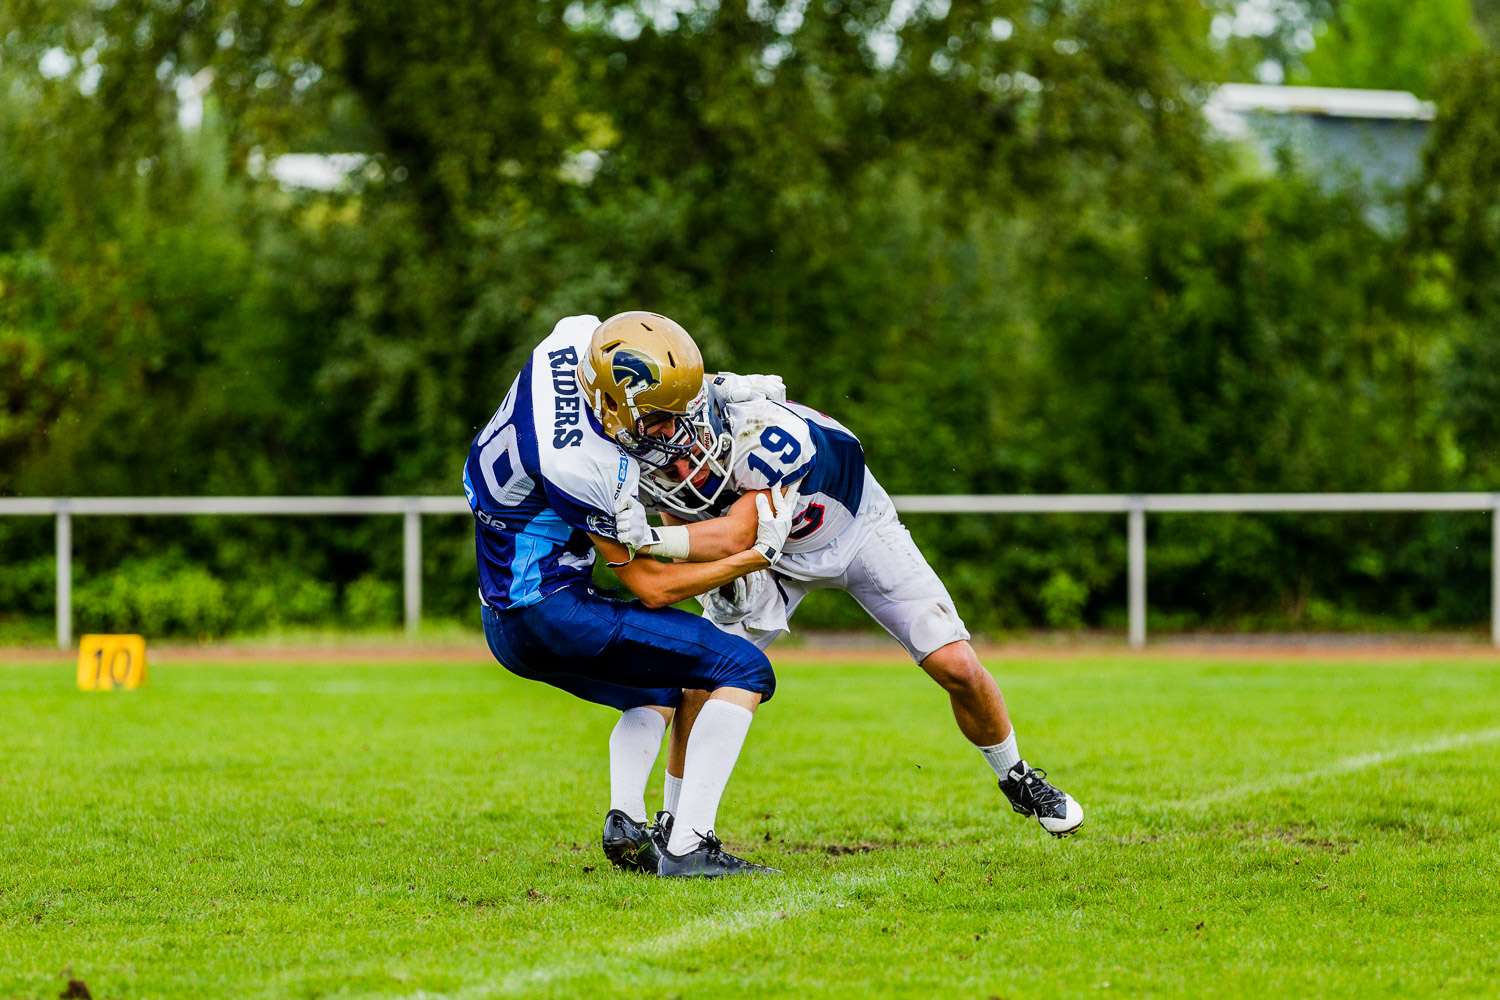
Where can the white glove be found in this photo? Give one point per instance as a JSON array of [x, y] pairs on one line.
[[775, 521], [631, 527], [743, 388], [726, 609], [634, 532]]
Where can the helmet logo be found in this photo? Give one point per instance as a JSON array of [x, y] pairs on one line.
[[634, 371]]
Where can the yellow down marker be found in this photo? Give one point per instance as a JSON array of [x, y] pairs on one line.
[[106, 662]]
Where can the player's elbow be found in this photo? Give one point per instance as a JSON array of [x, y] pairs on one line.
[[657, 599], [655, 594]]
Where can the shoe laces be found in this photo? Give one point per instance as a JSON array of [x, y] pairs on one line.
[[1041, 791], [708, 840]]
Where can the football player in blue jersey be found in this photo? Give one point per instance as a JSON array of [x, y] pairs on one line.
[[552, 479], [845, 535]]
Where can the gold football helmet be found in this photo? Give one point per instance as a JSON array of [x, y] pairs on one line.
[[643, 379]]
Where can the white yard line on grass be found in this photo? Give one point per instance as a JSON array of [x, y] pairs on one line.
[[1349, 765], [696, 932]]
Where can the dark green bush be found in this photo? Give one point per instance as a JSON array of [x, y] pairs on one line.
[[1010, 264]]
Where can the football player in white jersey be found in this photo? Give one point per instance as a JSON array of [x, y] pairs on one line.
[[845, 535], [551, 479]]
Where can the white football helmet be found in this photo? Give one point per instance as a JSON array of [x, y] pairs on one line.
[[690, 481]]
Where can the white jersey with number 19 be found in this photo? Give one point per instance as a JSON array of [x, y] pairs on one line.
[[781, 443], [845, 535]]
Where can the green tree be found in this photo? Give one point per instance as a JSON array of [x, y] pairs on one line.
[[1455, 222], [1389, 44], [996, 238]]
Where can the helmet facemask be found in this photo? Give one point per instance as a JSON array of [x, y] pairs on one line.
[[702, 437]]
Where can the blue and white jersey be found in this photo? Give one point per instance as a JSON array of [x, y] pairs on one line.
[[541, 474], [779, 443]]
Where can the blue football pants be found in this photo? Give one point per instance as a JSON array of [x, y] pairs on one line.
[[622, 653]]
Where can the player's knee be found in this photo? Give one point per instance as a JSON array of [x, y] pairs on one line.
[[956, 668], [749, 670]]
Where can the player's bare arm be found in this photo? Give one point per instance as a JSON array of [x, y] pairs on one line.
[[659, 584], [722, 536]]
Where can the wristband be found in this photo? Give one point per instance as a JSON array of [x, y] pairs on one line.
[[671, 542]]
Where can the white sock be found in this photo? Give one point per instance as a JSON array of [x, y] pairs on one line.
[[633, 747], [671, 793], [714, 746], [1002, 756]]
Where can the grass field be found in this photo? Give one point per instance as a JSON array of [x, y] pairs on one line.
[[1269, 827]]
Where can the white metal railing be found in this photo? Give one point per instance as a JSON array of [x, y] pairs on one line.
[[1133, 506]]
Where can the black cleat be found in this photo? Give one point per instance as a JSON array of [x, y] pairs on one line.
[[1031, 794], [708, 860], [661, 831], [628, 844]]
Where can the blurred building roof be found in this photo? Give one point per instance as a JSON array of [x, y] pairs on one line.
[[1334, 102], [1373, 137]]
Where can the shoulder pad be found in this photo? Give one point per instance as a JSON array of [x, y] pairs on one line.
[[772, 445]]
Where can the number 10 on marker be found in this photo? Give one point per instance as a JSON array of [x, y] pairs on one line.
[[106, 662]]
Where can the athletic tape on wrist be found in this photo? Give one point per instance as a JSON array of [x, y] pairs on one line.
[[672, 542]]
